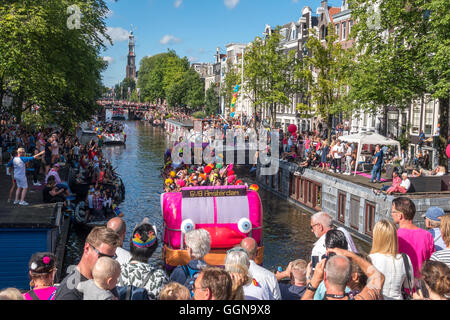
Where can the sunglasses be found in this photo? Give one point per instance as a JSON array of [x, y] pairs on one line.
[[312, 227], [102, 254]]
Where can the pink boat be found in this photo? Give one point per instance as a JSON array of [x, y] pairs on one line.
[[228, 213]]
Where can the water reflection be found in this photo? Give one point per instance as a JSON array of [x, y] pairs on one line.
[[286, 231]]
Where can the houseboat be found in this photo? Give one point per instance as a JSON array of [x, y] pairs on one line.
[[350, 199]]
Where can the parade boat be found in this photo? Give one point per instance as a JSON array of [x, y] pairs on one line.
[[113, 138], [228, 213]]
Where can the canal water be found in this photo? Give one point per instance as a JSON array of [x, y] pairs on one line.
[[286, 229]]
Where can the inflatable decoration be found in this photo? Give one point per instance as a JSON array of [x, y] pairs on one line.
[[209, 208], [254, 187], [448, 151]]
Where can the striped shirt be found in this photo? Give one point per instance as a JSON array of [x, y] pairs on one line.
[[442, 256]]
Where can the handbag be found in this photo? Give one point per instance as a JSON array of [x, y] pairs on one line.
[[405, 294]]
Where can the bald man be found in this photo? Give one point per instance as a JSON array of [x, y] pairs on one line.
[[118, 225], [263, 276]]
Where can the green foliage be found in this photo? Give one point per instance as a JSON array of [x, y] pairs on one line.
[[199, 115], [327, 72], [403, 56], [212, 101], [269, 73], [167, 76]]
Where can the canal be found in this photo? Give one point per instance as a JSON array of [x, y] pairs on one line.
[[286, 229]]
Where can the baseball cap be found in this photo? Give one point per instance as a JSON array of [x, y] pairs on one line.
[[56, 165], [433, 213]]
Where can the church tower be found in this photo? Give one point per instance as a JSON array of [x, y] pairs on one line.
[[131, 64]]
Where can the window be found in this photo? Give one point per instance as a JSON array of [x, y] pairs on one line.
[[370, 218], [337, 31], [292, 185], [350, 25], [293, 34], [415, 125], [354, 212], [341, 206], [344, 30], [429, 117]]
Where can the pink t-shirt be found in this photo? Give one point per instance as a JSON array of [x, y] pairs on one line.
[[418, 244], [43, 294]]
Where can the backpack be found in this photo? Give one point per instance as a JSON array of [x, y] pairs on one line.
[[132, 293], [191, 275]]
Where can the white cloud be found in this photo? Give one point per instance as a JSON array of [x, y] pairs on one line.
[[201, 50], [117, 34], [230, 4], [178, 3], [169, 39], [108, 59], [192, 59]]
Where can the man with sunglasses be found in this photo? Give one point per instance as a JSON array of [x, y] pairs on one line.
[[101, 242]]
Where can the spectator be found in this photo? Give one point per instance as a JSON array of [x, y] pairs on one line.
[[324, 155], [52, 194], [444, 254], [101, 242], [417, 243], [348, 159], [433, 223], [386, 258], [237, 261], [337, 152], [377, 164], [337, 273], [213, 284], [198, 243], [333, 239], [105, 273], [296, 272], [406, 183], [118, 225], [174, 291], [11, 294], [138, 272], [263, 276], [436, 278], [42, 270]]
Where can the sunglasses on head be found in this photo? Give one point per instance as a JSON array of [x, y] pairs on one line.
[[237, 249]]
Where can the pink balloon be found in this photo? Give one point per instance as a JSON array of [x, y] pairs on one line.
[[448, 151], [292, 128]]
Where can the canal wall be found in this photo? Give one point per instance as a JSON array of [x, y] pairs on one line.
[[352, 204]]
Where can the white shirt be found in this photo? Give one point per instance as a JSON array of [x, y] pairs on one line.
[[339, 150], [394, 273], [319, 248], [265, 278], [258, 293], [405, 184]]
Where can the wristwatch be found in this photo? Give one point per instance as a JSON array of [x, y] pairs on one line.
[[310, 287]]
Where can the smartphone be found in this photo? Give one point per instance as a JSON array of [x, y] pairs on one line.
[[314, 261]]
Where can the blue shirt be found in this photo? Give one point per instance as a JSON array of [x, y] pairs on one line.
[[379, 156], [290, 291]]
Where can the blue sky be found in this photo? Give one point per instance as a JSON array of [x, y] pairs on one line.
[[193, 28]]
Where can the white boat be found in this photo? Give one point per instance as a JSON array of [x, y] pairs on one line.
[[113, 138]]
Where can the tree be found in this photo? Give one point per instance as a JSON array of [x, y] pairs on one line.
[[327, 71], [408, 49], [212, 101], [43, 62]]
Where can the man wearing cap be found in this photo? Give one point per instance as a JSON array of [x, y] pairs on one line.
[[433, 223]]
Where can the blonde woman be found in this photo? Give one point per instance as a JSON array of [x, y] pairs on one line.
[[386, 259]]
